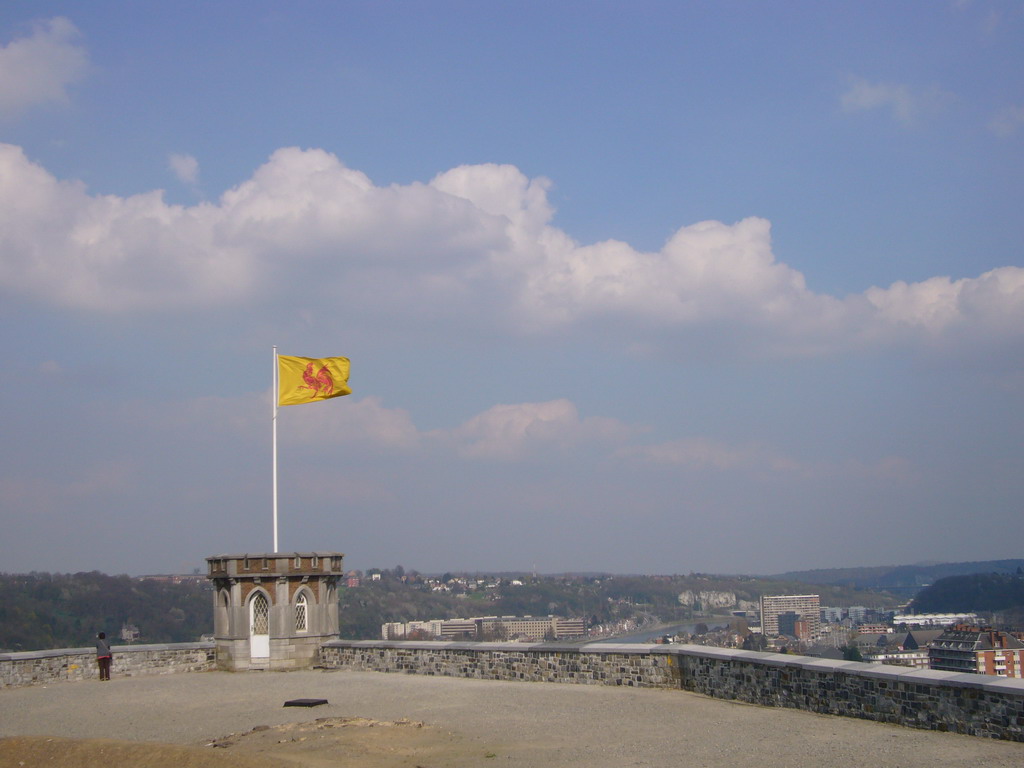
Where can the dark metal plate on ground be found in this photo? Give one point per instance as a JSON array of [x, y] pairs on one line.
[[305, 702]]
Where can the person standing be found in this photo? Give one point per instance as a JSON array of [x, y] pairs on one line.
[[103, 655]]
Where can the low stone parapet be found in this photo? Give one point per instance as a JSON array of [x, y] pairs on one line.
[[39, 667], [978, 705]]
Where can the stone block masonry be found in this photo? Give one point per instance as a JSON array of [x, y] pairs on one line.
[[977, 705], [41, 667]]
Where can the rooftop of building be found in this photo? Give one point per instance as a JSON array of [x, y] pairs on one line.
[[520, 725], [976, 638]]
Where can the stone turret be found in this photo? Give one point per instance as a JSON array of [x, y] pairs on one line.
[[274, 611]]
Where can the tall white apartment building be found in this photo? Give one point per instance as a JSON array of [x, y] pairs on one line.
[[808, 606]]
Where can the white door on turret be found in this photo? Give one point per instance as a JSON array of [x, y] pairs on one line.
[[259, 627]]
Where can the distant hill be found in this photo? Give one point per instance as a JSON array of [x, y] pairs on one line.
[[43, 610], [899, 579], [983, 593]]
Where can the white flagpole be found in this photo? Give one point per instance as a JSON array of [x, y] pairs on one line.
[[273, 420]]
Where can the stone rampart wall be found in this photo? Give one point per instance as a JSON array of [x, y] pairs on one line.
[[37, 667], [943, 701]]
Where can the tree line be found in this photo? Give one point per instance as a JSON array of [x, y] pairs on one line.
[[983, 593], [39, 611]]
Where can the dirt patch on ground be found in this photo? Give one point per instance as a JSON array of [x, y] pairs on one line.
[[329, 741], [33, 751]]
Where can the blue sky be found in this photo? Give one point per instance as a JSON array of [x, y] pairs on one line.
[[645, 287]]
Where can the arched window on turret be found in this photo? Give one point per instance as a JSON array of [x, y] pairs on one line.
[[301, 613], [220, 618]]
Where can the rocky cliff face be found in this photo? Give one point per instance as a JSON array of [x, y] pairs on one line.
[[708, 599]]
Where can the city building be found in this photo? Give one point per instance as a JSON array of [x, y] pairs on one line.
[[830, 615], [487, 628], [857, 614], [882, 629], [791, 624], [911, 650], [530, 628], [985, 651], [807, 607], [933, 619], [457, 629], [413, 630]]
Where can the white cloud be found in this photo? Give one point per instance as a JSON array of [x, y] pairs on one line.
[[39, 68], [706, 272], [992, 303], [109, 253], [365, 423], [506, 432], [1007, 121], [500, 190], [473, 248], [516, 431], [184, 167], [905, 104]]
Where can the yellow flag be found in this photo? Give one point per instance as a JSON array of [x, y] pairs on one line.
[[308, 379]]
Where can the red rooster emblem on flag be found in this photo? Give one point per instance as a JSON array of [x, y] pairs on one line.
[[320, 382]]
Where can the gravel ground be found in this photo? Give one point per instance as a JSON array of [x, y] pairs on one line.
[[521, 725]]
